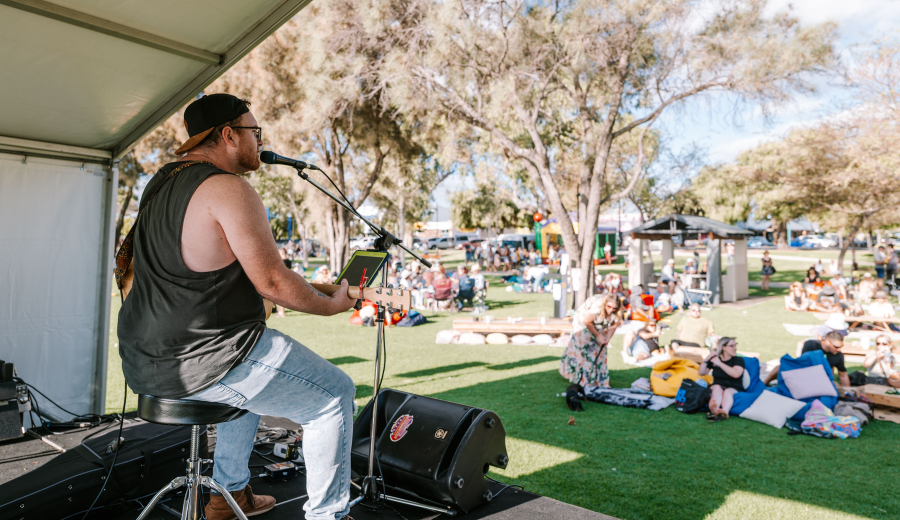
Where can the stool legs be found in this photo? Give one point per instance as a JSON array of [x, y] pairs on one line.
[[193, 482]]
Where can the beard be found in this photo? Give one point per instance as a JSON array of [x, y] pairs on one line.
[[248, 158]]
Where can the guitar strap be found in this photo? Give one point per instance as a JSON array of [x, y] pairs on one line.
[[126, 253]]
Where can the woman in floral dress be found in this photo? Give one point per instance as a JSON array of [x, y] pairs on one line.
[[593, 325]]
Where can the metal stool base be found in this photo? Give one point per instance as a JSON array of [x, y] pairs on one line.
[[193, 482]]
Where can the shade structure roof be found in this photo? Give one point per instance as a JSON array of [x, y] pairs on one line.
[[89, 78], [671, 225]]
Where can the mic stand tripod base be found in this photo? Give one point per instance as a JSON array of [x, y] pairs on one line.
[[369, 490]]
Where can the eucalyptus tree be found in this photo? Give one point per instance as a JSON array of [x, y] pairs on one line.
[[553, 85]]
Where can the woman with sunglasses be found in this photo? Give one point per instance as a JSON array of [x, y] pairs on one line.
[[594, 324], [728, 373], [881, 362]]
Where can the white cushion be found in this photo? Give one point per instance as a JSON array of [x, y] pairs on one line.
[[471, 338], [542, 339], [521, 339], [809, 382], [497, 338], [772, 409], [446, 337]]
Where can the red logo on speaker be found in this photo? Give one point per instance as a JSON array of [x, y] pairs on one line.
[[401, 425]]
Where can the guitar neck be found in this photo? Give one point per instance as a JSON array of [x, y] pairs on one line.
[[398, 299]]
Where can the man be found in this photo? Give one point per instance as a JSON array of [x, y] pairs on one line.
[[693, 329], [193, 324], [890, 266], [831, 345], [880, 258], [690, 267], [668, 275]]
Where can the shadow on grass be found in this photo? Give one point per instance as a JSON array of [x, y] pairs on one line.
[[363, 391], [500, 304], [575, 464], [441, 370], [524, 363], [346, 360]]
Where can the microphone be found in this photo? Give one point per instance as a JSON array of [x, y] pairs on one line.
[[269, 157]]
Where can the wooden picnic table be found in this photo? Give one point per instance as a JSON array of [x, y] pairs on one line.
[[555, 326]]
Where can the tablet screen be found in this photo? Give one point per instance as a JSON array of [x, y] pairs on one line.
[[362, 268]]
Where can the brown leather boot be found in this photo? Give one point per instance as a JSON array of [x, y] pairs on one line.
[[250, 504]]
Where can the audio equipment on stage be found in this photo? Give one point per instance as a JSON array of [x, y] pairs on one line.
[[436, 450], [151, 456], [13, 403]]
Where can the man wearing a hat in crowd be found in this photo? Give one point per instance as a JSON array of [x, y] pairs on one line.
[[193, 325], [834, 323]]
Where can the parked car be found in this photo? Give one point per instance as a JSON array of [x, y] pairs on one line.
[[803, 242], [447, 242], [823, 241], [759, 243]]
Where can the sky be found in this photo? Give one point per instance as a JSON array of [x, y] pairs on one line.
[[724, 134]]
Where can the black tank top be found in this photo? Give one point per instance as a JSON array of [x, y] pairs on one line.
[[181, 331]]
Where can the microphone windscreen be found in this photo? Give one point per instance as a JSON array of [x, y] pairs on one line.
[[268, 157]]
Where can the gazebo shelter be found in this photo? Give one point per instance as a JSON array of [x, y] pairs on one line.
[[731, 287]]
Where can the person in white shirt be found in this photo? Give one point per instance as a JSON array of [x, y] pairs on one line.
[[668, 275]]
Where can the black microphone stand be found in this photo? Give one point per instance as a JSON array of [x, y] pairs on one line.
[[371, 485]]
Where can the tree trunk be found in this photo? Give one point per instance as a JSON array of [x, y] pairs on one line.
[[853, 251], [846, 242], [780, 235], [301, 229], [120, 221]]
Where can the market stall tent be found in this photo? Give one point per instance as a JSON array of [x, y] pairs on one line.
[[548, 233], [83, 81]]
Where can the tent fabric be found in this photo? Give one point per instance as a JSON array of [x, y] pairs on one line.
[[670, 225], [51, 316]]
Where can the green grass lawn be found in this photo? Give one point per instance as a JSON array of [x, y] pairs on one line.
[[626, 463]]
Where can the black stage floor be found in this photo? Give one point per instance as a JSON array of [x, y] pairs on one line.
[[21, 456]]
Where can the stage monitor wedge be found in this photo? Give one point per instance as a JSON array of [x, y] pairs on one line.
[[435, 450]]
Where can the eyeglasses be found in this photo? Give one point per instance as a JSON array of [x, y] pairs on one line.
[[258, 130]]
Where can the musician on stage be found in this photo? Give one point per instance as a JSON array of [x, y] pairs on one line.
[[193, 325]]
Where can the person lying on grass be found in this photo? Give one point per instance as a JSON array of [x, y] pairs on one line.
[[728, 373], [796, 300]]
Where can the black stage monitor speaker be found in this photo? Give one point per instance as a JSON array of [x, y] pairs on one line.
[[434, 449]]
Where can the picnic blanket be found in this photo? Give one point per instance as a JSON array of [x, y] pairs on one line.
[[649, 362], [627, 398], [821, 422]]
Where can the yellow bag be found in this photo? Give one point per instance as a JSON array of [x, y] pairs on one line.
[[678, 370]]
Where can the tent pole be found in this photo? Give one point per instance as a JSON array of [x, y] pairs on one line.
[[104, 286]]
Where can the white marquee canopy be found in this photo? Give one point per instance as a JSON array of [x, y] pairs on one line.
[[82, 81]]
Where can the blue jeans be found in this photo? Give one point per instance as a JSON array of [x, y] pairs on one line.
[[282, 378], [879, 272]]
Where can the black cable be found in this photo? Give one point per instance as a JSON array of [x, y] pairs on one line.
[[115, 455], [352, 209]]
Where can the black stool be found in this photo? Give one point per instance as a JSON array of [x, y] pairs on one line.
[[182, 412]]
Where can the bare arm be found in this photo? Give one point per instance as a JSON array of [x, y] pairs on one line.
[[844, 378], [735, 371], [242, 216], [870, 360]]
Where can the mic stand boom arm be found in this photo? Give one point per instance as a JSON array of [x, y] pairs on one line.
[[385, 238], [371, 484]]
